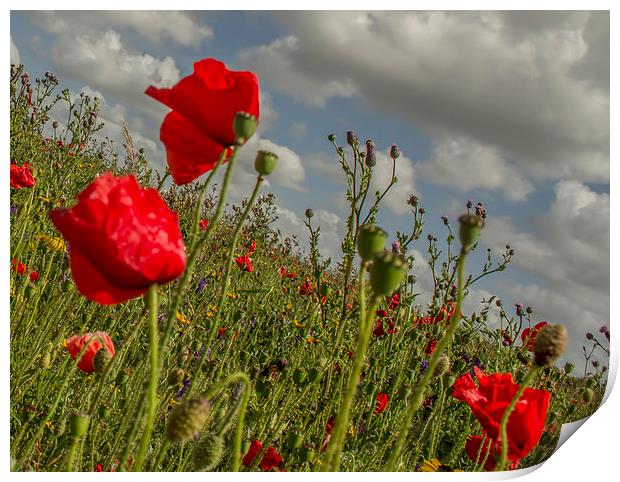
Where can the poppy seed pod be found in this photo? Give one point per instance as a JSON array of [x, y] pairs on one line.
[[550, 343], [244, 125], [208, 453], [187, 420], [370, 241], [386, 272], [79, 424], [265, 162], [471, 225]]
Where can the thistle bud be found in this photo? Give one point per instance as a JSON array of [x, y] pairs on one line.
[[394, 152], [244, 126], [352, 138], [443, 365], [331, 138], [550, 343], [265, 162], [309, 213], [79, 424], [188, 419], [386, 272], [471, 225], [370, 241], [208, 453], [101, 360], [568, 368]]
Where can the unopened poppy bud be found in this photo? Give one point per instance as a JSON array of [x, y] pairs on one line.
[[470, 228], [313, 374], [550, 343], [443, 365], [244, 127], [208, 453], [394, 152], [176, 376], [448, 380], [309, 213], [411, 279], [587, 395], [101, 360], [386, 272], [331, 138], [55, 124], [79, 424], [568, 368], [188, 419], [265, 162], [529, 310], [370, 241], [306, 454]]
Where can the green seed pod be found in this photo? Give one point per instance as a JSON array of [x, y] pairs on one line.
[[101, 360], [568, 368], [550, 343], [79, 424], [175, 376], [244, 126], [386, 272], [470, 228], [265, 162], [331, 138], [299, 377], [370, 241], [587, 395], [208, 453], [188, 419], [293, 440]]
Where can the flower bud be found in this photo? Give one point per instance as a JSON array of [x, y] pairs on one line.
[[589, 336], [394, 152], [443, 365], [188, 419], [244, 126], [550, 343], [568, 368], [101, 360], [208, 453], [265, 162], [306, 454], [470, 228], [370, 241], [386, 272], [79, 424], [352, 138], [55, 124], [299, 377], [331, 138], [587, 395], [309, 213], [176, 376]]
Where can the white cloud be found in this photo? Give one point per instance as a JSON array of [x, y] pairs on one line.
[[156, 26], [15, 58], [298, 130], [396, 198]]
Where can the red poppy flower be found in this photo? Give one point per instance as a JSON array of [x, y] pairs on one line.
[[34, 275], [282, 272], [393, 301], [222, 331], [252, 247], [306, 288], [98, 468], [245, 263], [203, 224], [430, 347], [271, 460], [379, 331], [528, 337], [77, 342], [200, 125], [123, 239], [292, 275], [382, 313], [489, 401], [19, 267], [249, 457], [445, 313], [21, 176], [382, 401]]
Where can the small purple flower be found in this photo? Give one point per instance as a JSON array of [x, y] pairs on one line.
[[396, 247], [444, 218], [201, 285], [465, 356], [184, 388], [604, 329], [423, 366], [14, 209]]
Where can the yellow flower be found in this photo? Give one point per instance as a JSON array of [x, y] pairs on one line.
[[289, 307], [209, 314], [232, 296], [312, 340], [181, 318], [172, 402], [49, 424], [434, 465], [52, 242], [351, 432], [298, 324]]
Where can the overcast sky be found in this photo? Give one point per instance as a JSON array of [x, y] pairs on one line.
[[509, 108]]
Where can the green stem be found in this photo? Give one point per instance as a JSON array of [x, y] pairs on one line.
[[151, 394], [428, 374], [71, 454], [160, 455], [503, 426]]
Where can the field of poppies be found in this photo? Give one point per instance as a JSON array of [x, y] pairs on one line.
[[156, 328]]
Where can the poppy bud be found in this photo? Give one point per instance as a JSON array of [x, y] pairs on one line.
[[281, 364], [101, 360], [79, 424], [30, 291], [448, 380], [587, 395], [550, 343], [293, 440], [394, 152], [55, 124], [568, 368], [589, 336], [370, 241], [265, 162], [244, 126], [386, 272], [208, 453], [46, 359], [443, 365], [589, 382], [471, 225], [187, 420], [121, 378], [176, 376], [309, 213], [331, 138]]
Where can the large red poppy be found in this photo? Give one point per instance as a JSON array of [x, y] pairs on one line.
[[489, 400], [76, 343], [200, 125], [123, 239], [21, 176]]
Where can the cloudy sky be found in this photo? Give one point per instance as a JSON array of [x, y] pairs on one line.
[[507, 108]]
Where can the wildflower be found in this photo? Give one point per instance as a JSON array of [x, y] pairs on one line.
[[245, 263], [434, 465], [222, 332], [306, 288], [271, 460], [203, 224], [21, 176], [393, 301], [252, 247], [19, 267], [181, 318], [430, 347], [202, 283], [382, 401], [204, 110], [53, 243], [34, 275], [123, 239], [489, 401], [528, 337], [312, 340], [252, 452], [298, 324], [76, 343]]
